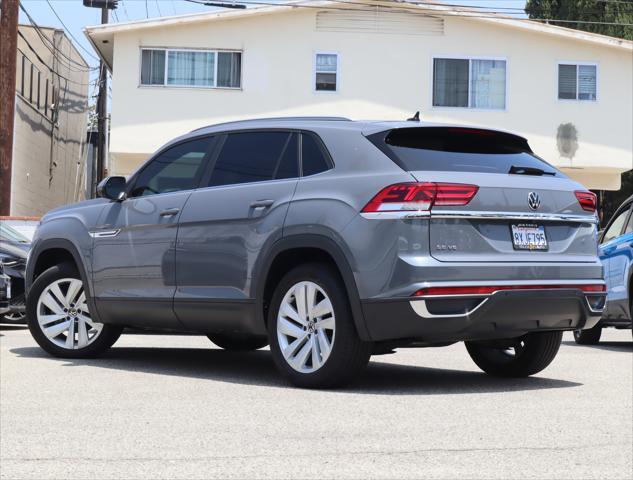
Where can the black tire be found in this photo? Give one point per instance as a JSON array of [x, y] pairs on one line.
[[533, 353], [349, 354], [238, 343], [109, 333], [588, 337]]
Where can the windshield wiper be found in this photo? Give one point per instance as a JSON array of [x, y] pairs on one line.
[[517, 170]]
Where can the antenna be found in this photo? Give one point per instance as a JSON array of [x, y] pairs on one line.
[[414, 118]]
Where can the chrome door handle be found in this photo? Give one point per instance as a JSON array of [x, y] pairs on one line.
[[170, 212], [262, 203]]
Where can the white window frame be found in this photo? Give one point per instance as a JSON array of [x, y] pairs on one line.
[[338, 72], [577, 64], [470, 72], [197, 87]]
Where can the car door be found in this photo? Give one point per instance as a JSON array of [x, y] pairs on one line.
[[133, 255], [240, 207], [615, 254]]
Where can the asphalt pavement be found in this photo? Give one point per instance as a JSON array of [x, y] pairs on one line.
[[177, 407]]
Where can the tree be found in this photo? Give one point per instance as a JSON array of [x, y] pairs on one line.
[[609, 11], [620, 11]]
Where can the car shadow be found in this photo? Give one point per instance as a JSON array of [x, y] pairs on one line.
[[604, 345], [257, 368]]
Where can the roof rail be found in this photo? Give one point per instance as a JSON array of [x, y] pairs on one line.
[[285, 119]]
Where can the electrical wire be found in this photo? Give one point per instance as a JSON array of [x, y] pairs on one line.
[[69, 32], [459, 13], [160, 14]]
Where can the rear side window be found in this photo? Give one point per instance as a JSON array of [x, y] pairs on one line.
[[177, 168], [255, 157], [313, 159], [460, 149]]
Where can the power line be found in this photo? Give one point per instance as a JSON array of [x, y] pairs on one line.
[[146, 10], [160, 14], [69, 32], [457, 13]]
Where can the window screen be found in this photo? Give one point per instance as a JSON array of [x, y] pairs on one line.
[[326, 71], [577, 82], [312, 156], [176, 169], [249, 157], [153, 67]]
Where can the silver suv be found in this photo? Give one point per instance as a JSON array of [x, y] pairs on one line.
[[330, 240]]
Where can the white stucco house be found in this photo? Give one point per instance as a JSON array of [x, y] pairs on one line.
[[569, 92]]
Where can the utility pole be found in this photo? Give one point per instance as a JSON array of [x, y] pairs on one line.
[[8, 58], [102, 112], [98, 170]]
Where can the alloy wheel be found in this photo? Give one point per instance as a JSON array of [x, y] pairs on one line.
[[63, 315], [306, 327]]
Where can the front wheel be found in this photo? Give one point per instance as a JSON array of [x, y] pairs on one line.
[[311, 329], [59, 318], [520, 357], [588, 337]]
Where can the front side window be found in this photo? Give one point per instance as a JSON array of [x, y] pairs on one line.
[[577, 81], [615, 229], [176, 169], [326, 72], [469, 83], [193, 68], [255, 157]]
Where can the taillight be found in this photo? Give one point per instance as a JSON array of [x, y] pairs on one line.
[[588, 200], [420, 196]]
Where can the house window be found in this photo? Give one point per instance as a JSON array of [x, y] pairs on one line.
[[191, 68], [326, 72], [469, 83], [577, 81]]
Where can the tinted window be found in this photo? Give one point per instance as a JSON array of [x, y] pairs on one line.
[[458, 149], [289, 163], [249, 157], [615, 229], [175, 169], [312, 157]]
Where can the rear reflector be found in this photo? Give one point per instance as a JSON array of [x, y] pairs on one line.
[[588, 200], [488, 290], [420, 196]]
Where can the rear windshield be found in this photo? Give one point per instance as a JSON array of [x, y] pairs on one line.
[[460, 149]]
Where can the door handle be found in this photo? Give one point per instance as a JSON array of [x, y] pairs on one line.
[[170, 212], [262, 203]]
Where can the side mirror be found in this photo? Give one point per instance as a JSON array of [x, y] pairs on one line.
[[112, 188]]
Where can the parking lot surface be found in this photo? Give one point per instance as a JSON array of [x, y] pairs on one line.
[[177, 407]]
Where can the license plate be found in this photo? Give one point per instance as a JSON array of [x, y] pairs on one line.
[[529, 237]]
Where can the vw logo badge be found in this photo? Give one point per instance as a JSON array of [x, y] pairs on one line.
[[534, 201]]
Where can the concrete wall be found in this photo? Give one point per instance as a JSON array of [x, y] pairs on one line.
[[49, 138], [382, 76]]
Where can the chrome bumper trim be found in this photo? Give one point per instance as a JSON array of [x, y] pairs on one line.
[[479, 215]]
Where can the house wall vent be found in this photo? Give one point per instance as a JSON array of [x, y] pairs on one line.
[[378, 21]]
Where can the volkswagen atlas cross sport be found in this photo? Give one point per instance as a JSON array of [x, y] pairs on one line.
[[330, 240]]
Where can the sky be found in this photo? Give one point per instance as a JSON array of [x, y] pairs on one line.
[[75, 16]]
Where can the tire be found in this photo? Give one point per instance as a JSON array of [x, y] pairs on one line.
[[531, 354], [49, 309], [588, 337], [335, 353], [238, 343]]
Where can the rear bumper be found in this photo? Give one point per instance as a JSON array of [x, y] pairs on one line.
[[502, 314]]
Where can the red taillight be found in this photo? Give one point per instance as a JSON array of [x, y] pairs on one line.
[[420, 196], [588, 200], [487, 290]]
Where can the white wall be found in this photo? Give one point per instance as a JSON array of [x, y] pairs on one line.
[[382, 76]]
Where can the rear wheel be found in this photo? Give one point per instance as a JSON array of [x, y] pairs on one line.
[[520, 357], [311, 330], [588, 337], [59, 318], [238, 343]]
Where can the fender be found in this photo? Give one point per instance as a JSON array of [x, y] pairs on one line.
[[320, 242], [70, 247]]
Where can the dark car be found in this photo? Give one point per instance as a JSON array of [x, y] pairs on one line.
[[14, 248], [616, 254], [5, 291]]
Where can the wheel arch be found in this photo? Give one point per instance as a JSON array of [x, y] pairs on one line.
[[278, 261]]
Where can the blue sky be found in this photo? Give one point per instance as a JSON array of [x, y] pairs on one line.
[[75, 16]]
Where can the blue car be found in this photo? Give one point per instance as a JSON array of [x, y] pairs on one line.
[[616, 254]]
